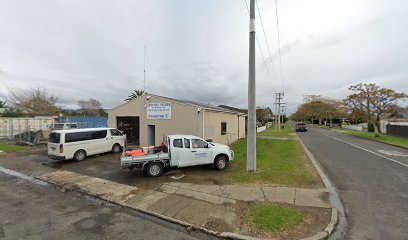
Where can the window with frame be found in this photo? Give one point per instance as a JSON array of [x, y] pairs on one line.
[[223, 128], [178, 143], [198, 143], [115, 132], [186, 143]]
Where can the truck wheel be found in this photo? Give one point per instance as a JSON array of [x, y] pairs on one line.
[[154, 169], [116, 148], [220, 163], [79, 155]]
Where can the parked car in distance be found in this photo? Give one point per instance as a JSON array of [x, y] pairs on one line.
[[77, 144], [301, 127], [63, 126], [179, 151]]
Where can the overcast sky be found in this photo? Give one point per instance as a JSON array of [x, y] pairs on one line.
[[198, 49]]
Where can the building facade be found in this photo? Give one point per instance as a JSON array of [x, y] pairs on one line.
[[148, 118]]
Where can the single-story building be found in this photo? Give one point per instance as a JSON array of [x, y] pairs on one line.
[[395, 124], [146, 119]]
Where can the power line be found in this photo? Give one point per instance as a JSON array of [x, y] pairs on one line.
[[280, 56], [263, 56], [266, 40]]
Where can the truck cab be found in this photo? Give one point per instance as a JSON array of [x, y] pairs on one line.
[[188, 150]]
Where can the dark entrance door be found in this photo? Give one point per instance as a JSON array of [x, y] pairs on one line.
[[151, 135], [130, 127]]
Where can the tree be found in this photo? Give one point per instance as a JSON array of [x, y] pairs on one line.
[[319, 107], [263, 115], [2, 104], [135, 94], [37, 100], [90, 107], [373, 101], [11, 112], [102, 112]]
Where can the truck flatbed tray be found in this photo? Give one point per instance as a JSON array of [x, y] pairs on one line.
[[136, 161]]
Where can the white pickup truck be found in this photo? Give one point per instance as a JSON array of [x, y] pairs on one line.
[[180, 151]]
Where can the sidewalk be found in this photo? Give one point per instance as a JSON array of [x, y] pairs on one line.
[[204, 206]]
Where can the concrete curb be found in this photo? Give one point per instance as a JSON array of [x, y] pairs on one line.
[[334, 212], [189, 227]]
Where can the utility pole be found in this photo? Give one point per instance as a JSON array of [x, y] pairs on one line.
[[282, 111], [278, 103], [251, 141]]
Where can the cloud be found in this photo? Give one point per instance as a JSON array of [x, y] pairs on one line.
[[198, 50]]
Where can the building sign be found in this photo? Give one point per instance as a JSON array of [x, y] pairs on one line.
[[157, 111]]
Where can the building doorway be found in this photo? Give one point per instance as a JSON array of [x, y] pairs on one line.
[[130, 127], [151, 135]]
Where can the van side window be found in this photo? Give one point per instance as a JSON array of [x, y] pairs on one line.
[[99, 134], [178, 143], [115, 132], [76, 137], [186, 143], [83, 136]]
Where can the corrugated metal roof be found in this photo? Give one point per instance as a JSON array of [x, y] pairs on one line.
[[205, 106], [201, 105]]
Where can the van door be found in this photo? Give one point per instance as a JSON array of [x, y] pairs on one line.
[[200, 152], [115, 136], [54, 144], [99, 141]]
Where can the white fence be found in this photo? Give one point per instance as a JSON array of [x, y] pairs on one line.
[[260, 129], [353, 127], [13, 128]]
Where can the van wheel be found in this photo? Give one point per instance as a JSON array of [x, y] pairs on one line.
[[154, 169], [79, 155], [116, 148], [220, 163]]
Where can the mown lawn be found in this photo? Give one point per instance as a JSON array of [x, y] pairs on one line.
[[402, 142], [273, 218], [5, 147], [278, 162], [286, 132]]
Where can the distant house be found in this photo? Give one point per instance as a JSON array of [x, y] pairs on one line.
[[395, 124]]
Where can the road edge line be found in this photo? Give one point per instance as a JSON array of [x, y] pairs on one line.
[[334, 218]]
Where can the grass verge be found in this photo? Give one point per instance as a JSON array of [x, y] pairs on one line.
[[5, 147], [286, 132], [278, 162], [402, 142], [273, 218], [384, 138]]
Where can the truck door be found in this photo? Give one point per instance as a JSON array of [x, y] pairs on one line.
[[200, 152], [180, 154]]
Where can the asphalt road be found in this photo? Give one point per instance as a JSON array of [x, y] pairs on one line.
[[371, 179], [32, 211]]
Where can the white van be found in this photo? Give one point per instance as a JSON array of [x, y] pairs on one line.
[[77, 144]]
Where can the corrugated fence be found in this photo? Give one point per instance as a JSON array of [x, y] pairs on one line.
[[86, 122]]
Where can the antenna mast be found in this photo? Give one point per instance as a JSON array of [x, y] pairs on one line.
[[144, 69]]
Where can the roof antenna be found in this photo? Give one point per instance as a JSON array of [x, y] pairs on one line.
[[144, 69]]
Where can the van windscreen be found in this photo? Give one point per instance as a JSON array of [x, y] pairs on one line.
[[54, 137]]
